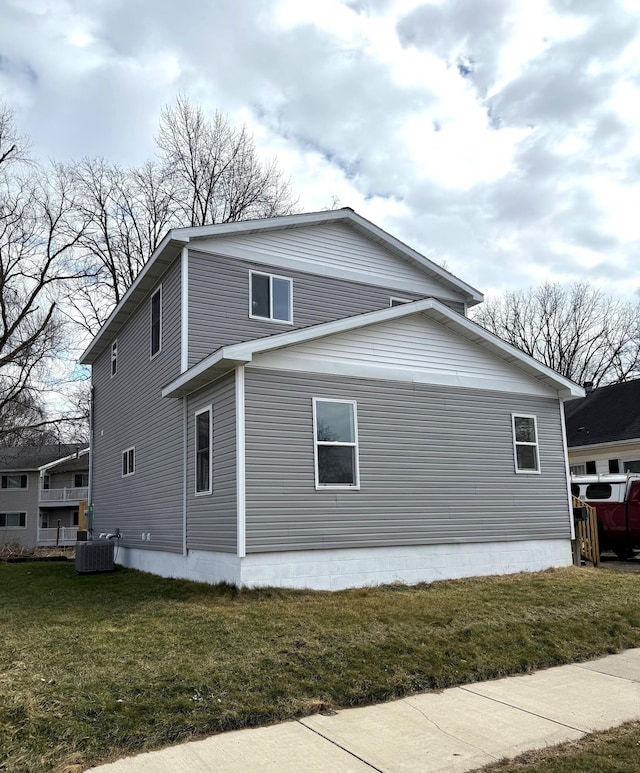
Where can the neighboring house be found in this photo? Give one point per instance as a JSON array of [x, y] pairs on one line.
[[603, 430], [302, 401], [42, 491]]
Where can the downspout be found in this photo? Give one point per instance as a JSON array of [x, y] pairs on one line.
[[90, 514], [240, 463], [184, 475], [565, 450]]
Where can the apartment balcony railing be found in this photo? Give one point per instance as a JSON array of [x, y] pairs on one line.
[[60, 535], [63, 494]]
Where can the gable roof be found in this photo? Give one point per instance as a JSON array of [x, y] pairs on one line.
[[177, 238], [228, 357], [605, 415], [27, 458]]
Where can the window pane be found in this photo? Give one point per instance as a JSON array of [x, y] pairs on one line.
[[203, 451], [281, 309], [155, 323], [598, 491], [260, 306], [335, 422], [633, 466], [14, 481], [527, 457], [525, 429], [336, 464]]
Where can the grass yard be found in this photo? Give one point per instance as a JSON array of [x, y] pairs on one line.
[[95, 667], [611, 751]]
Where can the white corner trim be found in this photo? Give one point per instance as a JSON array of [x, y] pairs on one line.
[[184, 309], [240, 462], [184, 475]]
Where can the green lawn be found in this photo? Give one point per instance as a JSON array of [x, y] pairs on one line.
[[94, 667], [611, 751]]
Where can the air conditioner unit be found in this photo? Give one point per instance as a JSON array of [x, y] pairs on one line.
[[94, 556]]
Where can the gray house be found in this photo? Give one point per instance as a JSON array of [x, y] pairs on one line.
[[42, 493], [302, 401]]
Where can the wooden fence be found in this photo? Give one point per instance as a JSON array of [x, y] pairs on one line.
[[586, 545]]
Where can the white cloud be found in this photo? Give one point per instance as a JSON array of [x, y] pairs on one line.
[[502, 137]]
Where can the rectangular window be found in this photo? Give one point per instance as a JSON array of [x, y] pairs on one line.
[[128, 462], [204, 451], [590, 467], [81, 480], [632, 466], [614, 465], [114, 358], [525, 443], [13, 520], [156, 321], [46, 482], [270, 297], [14, 481], [577, 469], [335, 427]]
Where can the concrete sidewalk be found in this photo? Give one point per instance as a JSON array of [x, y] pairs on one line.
[[459, 729]]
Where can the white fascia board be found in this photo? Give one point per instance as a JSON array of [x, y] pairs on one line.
[[172, 243], [242, 353]]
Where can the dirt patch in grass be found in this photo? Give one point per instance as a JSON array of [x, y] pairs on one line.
[[95, 667], [611, 751]]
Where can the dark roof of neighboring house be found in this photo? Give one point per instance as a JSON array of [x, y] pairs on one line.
[[605, 415], [23, 458]]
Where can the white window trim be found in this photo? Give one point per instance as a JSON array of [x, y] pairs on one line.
[[204, 492], [114, 358], [355, 486], [14, 475], [398, 300], [536, 445], [15, 512], [271, 277], [153, 355], [133, 471]]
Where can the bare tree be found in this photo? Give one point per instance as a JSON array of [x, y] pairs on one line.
[[578, 331], [36, 246], [208, 171]]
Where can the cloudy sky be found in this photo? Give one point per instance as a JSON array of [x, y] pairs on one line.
[[502, 137]]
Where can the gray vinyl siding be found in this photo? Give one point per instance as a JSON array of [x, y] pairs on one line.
[[129, 411], [21, 501], [436, 466], [212, 518], [219, 302]]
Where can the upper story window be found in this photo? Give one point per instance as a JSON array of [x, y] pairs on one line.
[[81, 480], [270, 297], [14, 481], [13, 520], [46, 482], [156, 321], [335, 427], [204, 455], [525, 443], [128, 462], [114, 357]]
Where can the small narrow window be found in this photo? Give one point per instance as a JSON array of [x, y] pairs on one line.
[[335, 428], [114, 358], [204, 455], [13, 520], [590, 467], [614, 465], [76, 517], [46, 482], [270, 297], [14, 481], [525, 443], [128, 462], [156, 321]]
